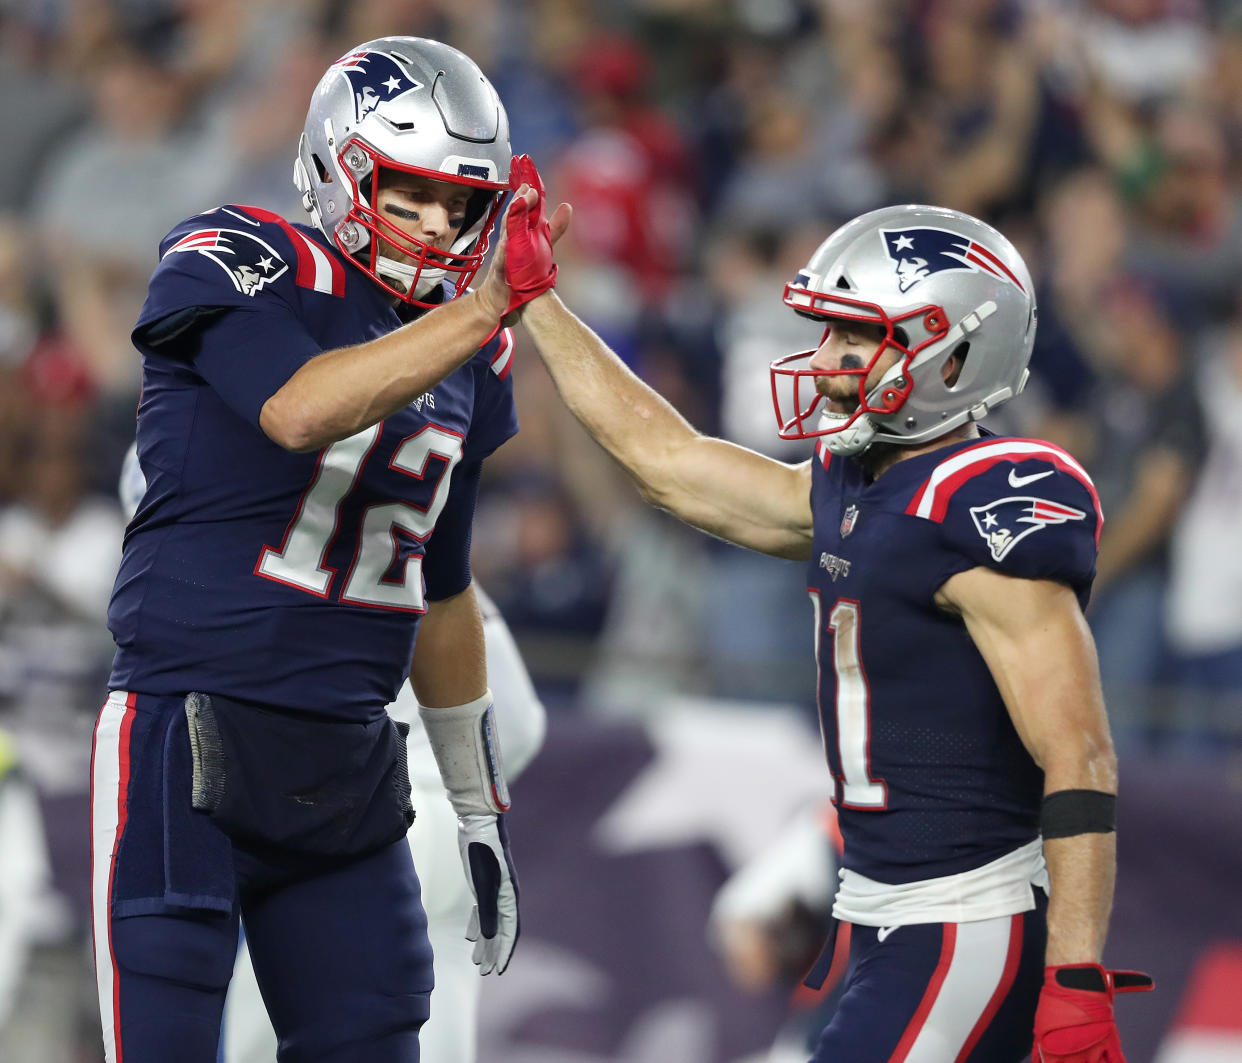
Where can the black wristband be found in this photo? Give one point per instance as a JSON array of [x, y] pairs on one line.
[[1069, 812]]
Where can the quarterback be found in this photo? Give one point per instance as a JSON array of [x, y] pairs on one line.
[[317, 403]]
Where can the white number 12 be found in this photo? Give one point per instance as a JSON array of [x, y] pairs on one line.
[[300, 561]]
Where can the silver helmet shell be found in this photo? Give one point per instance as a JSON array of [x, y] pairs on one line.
[[412, 105], [940, 283]]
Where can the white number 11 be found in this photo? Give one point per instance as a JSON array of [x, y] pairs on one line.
[[856, 787]]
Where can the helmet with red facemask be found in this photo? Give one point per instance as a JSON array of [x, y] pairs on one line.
[[938, 283], [413, 106]]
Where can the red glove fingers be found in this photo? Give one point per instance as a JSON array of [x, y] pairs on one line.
[[530, 268], [1074, 1020]]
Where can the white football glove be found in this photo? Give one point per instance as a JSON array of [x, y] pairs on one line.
[[494, 925], [463, 739]]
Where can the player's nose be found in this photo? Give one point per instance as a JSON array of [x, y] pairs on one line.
[[825, 357], [435, 219]]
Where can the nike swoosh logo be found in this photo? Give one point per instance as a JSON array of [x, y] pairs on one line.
[[884, 931], [1021, 481]]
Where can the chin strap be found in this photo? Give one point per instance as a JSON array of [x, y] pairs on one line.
[[403, 273]]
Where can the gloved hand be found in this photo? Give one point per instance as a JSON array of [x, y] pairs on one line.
[[494, 924], [529, 267], [1074, 1020]]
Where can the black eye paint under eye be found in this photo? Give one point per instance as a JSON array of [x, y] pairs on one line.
[[401, 212]]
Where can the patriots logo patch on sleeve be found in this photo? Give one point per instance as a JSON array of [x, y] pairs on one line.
[[250, 262], [1007, 521]]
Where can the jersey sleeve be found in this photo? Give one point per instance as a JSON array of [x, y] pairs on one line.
[[223, 299], [494, 419], [446, 560], [1032, 513]]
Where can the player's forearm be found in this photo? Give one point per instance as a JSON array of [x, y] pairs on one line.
[[630, 420], [450, 660], [344, 391], [1082, 870]]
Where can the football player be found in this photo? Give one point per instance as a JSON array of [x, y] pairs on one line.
[[450, 1034], [974, 772], [317, 403]]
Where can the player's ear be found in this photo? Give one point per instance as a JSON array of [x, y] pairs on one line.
[[952, 368]]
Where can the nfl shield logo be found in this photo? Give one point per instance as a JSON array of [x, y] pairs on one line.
[[848, 520]]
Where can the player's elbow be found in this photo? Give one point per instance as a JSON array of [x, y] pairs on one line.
[[289, 424], [1082, 759]]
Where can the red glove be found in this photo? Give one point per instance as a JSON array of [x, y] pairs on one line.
[[1074, 1021], [529, 266]]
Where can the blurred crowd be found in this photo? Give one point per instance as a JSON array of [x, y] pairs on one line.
[[707, 146]]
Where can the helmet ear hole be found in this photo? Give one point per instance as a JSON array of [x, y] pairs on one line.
[[844, 284], [955, 363], [320, 168]]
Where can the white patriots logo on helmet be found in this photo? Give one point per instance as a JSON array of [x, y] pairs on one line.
[[250, 262], [1007, 521]]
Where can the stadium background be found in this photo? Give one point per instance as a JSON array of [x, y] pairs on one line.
[[707, 146]]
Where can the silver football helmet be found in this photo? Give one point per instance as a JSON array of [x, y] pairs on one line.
[[940, 283], [416, 106]]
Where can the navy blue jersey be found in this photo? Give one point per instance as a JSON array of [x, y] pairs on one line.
[[294, 580], [931, 777]]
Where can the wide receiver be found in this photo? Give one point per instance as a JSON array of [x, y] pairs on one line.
[[963, 721], [317, 403]]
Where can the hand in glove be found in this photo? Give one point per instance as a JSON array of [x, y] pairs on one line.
[[529, 266], [494, 923], [1074, 1020]]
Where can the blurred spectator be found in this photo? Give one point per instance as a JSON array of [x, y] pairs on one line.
[[1205, 592], [1188, 231], [25, 876], [1072, 276], [18, 330], [59, 549], [40, 102], [628, 177], [1144, 49], [546, 574], [111, 193], [1141, 439]]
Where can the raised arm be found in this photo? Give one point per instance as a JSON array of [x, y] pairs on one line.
[[712, 484], [343, 391]]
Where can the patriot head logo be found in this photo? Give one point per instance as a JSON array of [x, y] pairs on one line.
[[1007, 521], [250, 263], [919, 252], [376, 78]]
